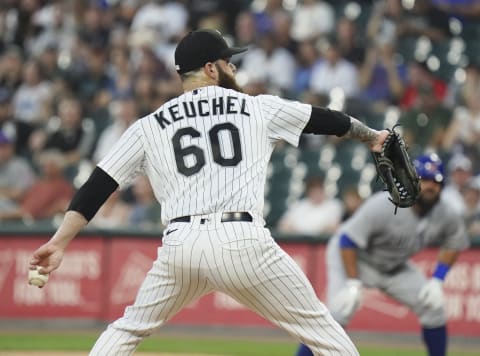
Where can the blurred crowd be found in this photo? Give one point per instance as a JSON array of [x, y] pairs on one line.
[[74, 74]]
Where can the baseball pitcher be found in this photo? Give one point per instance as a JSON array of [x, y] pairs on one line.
[[373, 248], [206, 154]]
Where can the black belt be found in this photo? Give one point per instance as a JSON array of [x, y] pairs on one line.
[[226, 217]]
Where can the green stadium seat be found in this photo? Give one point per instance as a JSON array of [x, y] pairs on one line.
[[375, 120], [277, 186], [441, 51], [406, 48]]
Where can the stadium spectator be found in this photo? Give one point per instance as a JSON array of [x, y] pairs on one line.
[[126, 11], [31, 101], [466, 10], [245, 32], [333, 71], [69, 133], [265, 61], [420, 77], [147, 63], [471, 197], [93, 83], [459, 175], [315, 214], [213, 10], [54, 28], [11, 64], [16, 175], [307, 56], [384, 22], [459, 90], [104, 51], [144, 93], [22, 24], [146, 211], [48, 63], [4, 28], [17, 130], [124, 114], [154, 27], [263, 14], [48, 196], [351, 201], [93, 28], [312, 19], [425, 123], [463, 133], [382, 79], [7, 124], [350, 40], [282, 24], [423, 19], [114, 213], [119, 73]]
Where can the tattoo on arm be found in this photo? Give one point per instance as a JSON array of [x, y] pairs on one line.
[[361, 132]]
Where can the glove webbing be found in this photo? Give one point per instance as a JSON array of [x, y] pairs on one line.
[[382, 161]]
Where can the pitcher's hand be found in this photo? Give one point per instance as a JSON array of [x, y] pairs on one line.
[[48, 257], [376, 146]]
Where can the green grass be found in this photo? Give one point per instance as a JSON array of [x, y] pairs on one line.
[[225, 346], [46, 342]]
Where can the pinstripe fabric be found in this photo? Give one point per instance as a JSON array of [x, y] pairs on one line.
[[240, 259], [202, 165], [146, 147]]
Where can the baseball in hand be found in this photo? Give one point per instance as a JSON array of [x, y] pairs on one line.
[[37, 279]]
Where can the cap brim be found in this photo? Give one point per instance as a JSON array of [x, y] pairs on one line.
[[233, 50]]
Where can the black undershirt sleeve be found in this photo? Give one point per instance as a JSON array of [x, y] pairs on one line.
[[324, 121], [93, 193]]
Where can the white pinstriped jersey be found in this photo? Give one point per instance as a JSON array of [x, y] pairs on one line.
[[207, 150]]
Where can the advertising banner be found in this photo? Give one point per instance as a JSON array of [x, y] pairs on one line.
[[76, 289], [100, 276]]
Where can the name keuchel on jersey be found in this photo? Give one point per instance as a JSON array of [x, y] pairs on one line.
[[200, 108]]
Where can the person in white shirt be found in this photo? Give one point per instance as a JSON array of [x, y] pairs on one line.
[[459, 174], [334, 71], [312, 18], [32, 98], [315, 214], [270, 64], [125, 112]]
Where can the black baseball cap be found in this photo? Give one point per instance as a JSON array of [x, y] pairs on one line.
[[202, 46]]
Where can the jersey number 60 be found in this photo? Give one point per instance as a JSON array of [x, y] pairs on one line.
[[181, 152]]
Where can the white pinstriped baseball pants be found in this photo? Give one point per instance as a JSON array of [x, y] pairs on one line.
[[237, 258]]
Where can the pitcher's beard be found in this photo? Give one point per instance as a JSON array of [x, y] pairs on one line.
[[226, 81]]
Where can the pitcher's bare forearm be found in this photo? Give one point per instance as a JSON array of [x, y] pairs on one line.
[[49, 256], [72, 224], [361, 132]]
